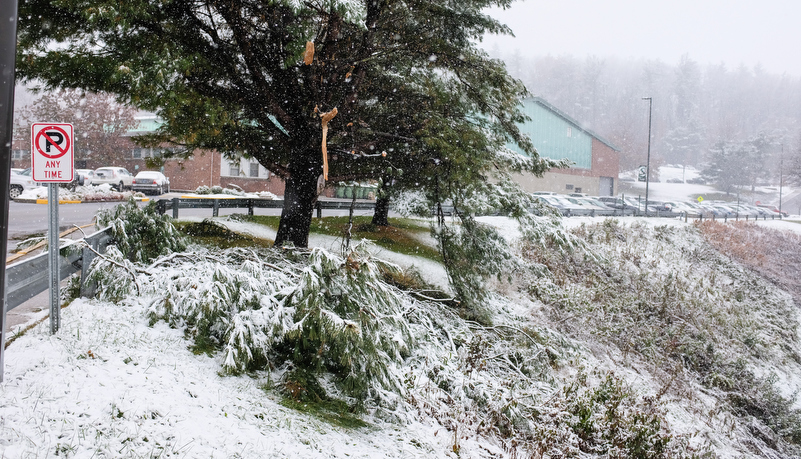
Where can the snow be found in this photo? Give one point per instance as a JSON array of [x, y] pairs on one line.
[[664, 191], [110, 385], [103, 192], [434, 272]]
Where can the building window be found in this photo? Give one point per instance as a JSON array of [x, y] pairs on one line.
[[254, 169], [569, 131], [568, 187], [141, 153], [19, 154], [578, 190], [233, 170]]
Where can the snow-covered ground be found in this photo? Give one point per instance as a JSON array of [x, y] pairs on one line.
[[109, 385], [664, 191], [102, 192]]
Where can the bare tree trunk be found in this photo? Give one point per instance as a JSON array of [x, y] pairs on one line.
[[300, 196], [381, 213]]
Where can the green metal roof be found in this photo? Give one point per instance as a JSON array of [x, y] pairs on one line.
[[566, 117]]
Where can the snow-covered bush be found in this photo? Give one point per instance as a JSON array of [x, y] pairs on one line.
[[141, 234], [321, 325], [665, 295], [263, 310], [473, 253]]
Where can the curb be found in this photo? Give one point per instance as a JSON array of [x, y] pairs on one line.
[[44, 201]]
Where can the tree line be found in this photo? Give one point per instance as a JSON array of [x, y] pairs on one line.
[[698, 110]]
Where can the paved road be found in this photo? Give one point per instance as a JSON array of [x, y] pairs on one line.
[[26, 219]]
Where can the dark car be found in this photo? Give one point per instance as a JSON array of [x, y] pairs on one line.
[[151, 181]]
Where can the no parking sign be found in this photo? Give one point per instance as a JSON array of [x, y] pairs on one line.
[[52, 152]]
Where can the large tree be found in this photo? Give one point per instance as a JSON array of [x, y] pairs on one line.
[[391, 83], [99, 121]]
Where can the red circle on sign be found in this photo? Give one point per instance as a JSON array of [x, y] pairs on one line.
[[61, 152]]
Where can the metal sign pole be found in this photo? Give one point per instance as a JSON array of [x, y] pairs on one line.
[[53, 246], [8, 53]]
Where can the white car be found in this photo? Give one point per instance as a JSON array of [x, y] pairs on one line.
[[118, 177], [151, 181], [87, 175], [18, 184]]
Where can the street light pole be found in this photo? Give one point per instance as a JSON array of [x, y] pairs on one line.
[[648, 163], [781, 178]]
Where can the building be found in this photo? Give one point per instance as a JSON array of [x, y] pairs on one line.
[[203, 168], [556, 135]]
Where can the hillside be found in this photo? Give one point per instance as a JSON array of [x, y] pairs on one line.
[[605, 338]]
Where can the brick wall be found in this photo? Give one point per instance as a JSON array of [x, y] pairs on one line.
[[605, 160]]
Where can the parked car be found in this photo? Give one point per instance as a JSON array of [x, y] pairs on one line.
[[774, 209], [88, 176], [118, 177], [18, 184], [620, 204], [28, 172], [553, 201], [151, 181]]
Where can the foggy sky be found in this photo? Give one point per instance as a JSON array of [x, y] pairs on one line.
[[750, 32]]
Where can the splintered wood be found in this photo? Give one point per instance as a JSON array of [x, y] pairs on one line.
[[308, 56], [325, 118]]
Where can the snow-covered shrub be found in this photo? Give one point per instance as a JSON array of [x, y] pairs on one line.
[[472, 253], [411, 203], [141, 234], [604, 419], [113, 275], [321, 313], [663, 294], [348, 320]]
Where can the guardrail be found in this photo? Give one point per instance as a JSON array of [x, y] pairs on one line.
[[28, 278], [175, 204]]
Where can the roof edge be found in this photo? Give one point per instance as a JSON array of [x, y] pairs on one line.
[[539, 100]]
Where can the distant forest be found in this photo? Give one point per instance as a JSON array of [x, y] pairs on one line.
[[695, 107]]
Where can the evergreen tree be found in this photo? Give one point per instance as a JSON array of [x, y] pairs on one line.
[[737, 164], [319, 90], [725, 167]]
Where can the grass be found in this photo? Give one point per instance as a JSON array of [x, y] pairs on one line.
[[303, 393], [400, 237], [210, 235]]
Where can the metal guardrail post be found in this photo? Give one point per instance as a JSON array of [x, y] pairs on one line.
[[250, 207], [215, 211], [87, 256], [175, 204], [319, 207]]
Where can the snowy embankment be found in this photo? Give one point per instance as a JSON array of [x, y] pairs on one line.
[[641, 336], [109, 385]]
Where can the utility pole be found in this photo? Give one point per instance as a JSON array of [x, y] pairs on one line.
[[648, 163]]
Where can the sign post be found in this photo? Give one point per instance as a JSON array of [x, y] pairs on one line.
[[52, 161]]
